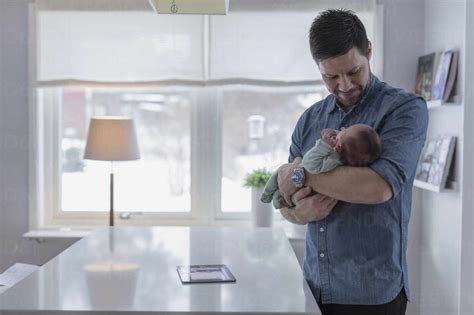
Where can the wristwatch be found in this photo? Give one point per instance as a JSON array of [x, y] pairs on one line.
[[298, 177]]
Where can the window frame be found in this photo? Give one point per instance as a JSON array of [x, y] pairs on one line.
[[206, 163]]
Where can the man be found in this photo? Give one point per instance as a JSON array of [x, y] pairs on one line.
[[357, 217]]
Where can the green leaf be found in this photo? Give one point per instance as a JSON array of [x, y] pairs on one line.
[[258, 178]]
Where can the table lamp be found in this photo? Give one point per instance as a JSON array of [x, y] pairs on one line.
[[111, 138]]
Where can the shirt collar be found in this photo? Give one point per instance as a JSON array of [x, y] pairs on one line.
[[332, 104]]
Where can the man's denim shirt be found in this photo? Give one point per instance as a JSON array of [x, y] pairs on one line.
[[357, 254]]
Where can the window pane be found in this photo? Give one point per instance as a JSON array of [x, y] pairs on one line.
[[158, 182], [257, 129]]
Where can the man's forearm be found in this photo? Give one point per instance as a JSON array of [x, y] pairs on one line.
[[351, 184]]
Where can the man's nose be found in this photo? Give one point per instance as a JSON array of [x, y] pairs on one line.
[[345, 84]]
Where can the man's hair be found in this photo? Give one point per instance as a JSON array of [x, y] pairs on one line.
[[334, 32]]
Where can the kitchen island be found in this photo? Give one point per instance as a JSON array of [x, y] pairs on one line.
[[134, 271]]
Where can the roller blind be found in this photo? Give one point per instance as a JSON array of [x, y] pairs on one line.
[[118, 46], [265, 45], [261, 40]]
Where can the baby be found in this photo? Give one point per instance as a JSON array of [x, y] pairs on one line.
[[357, 145]]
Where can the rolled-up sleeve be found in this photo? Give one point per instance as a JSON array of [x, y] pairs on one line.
[[296, 140], [403, 134]]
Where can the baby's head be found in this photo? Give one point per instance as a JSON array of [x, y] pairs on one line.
[[358, 145]]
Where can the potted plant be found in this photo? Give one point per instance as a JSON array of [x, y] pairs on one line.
[[262, 213]]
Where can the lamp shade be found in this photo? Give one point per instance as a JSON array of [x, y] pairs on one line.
[[111, 138]]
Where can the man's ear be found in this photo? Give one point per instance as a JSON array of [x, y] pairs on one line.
[[338, 148], [369, 50]]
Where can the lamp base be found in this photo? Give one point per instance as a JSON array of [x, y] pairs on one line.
[[111, 216]]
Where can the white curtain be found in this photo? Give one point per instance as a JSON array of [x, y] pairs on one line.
[[256, 40]]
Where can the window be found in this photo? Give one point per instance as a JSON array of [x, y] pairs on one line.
[[212, 99], [181, 132]]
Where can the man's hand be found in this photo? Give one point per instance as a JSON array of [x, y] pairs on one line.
[[308, 207], [285, 185]]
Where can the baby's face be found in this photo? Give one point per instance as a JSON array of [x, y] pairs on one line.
[[343, 136], [340, 136]]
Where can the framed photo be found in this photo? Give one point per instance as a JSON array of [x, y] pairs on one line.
[[440, 81], [205, 274], [425, 75], [435, 161]]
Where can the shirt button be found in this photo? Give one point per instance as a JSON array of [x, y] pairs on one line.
[[321, 229], [321, 255]]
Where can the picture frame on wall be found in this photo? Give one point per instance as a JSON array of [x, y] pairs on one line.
[[434, 164]]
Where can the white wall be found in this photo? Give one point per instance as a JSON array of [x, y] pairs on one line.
[[441, 213], [403, 40], [13, 130], [14, 145], [467, 243]]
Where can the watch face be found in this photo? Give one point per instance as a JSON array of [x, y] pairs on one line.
[[298, 176]]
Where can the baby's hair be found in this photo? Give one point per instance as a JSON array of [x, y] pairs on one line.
[[373, 143], [369, 143]]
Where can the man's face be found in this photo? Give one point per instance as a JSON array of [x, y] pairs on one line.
[[347, 76]]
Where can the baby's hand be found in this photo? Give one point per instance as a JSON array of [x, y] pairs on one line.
[[329, 136]]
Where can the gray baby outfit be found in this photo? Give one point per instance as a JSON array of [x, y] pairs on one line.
[[320, 159]]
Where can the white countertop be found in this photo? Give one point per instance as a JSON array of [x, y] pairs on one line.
[[133, 270]]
